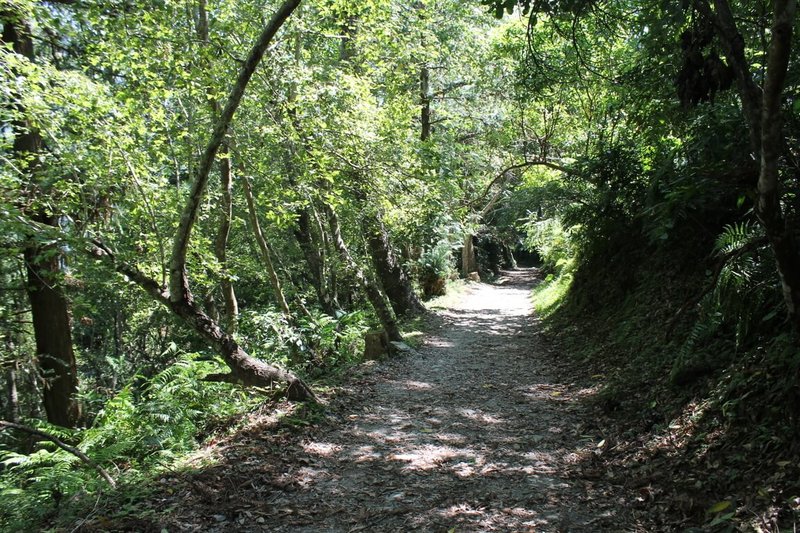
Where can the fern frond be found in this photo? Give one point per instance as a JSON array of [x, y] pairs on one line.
[[737, 235]]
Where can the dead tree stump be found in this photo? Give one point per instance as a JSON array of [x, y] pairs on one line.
[[376, 345]]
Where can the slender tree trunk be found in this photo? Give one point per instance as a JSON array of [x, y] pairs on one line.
[[266, 254], [311, 240], [221, 243], [295, 354], [782, 238], [425, 103], [231, 313], [382, 308], [13, 397], [49, 307], [308, 232]]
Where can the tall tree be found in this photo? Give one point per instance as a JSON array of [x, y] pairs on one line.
[[226, 192], [43, 261]]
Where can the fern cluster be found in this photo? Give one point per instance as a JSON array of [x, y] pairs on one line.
[[743, 299], [319, 341], [140, 428]]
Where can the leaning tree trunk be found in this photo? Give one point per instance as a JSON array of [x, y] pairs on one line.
[[509, 261], [382, 308], [178, 297], [390, 273], [244, 369], [49, 307]]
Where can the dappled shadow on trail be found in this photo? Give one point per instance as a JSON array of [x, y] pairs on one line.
[[475, 432]]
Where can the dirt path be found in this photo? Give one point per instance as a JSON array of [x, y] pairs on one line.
[[475, 433]]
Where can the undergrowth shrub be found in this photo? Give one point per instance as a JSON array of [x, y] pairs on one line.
[[139, 429], [437, 260], [742, 306], [316, 343], [553, 242]]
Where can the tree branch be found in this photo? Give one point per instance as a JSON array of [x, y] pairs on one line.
[[525, 164], [178, 282], [733, 46], [99, 250]]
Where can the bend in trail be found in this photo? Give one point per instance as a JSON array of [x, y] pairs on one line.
[[473, 433]]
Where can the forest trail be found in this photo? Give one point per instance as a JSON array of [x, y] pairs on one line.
[[474, 433]]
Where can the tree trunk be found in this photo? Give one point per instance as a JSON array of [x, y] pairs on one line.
[[245, 369], [782, 238], [263, 246], [382, 308], [762, 112], [392, 278], [308, 231], [468, 261], [231, 313], [49, 308], [52, 329], [12, 410], [312, 244], [425, 104], [178, 276], [178, 297], [509, 261]]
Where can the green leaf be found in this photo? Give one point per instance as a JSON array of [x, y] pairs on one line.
[[719, 507]]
